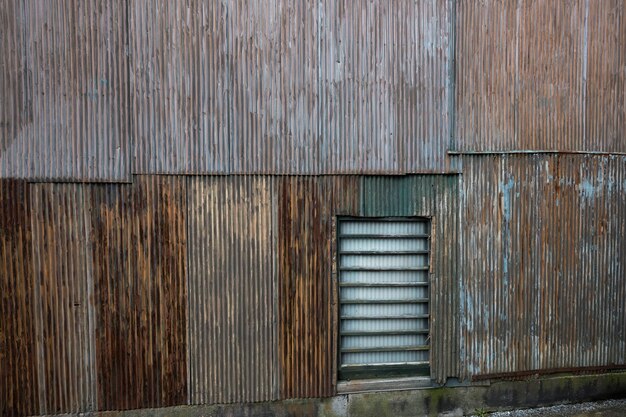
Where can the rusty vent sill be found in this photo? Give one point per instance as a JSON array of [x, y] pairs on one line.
[[395, 384]]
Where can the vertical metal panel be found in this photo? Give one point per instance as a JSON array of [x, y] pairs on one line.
[[64, 107], [307, 343], [542, 75], [232, 335], [543, 280], [180, 79], [606, 74], [62, 300], [274, 55], [159, 292], [436, 197], [384, 88], [18, 361]]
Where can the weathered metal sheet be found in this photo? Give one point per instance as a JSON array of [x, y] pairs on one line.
[[64, 312], [273, 48], [606, 75], [18, 364], [233, 299], [307, 303], [384, 92], [139, 246], [543, 281], [180, 77], [542, 75], [437, 197], [64, 105]]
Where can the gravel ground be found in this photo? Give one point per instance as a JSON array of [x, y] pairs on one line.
[[611, 408]]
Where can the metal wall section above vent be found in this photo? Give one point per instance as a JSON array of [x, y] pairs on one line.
[[384, 297]]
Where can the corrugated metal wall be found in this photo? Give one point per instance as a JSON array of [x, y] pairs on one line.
[[384, 89], [436, 197], [64, 79], [543, 280], [543, 75], [18, 365], [233, 299], [307, 339]]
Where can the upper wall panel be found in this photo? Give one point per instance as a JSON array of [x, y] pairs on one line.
[[63, 83], [384, 89], [290, 87], [540, 75]]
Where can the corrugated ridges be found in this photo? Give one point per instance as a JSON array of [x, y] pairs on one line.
[[606, 75], [140, 255], [65, 99], [436, 197], [273, 48], [543, 278], [181, 86], [232, 333], [159, 255], [540, 75], [18, 365], [62, 300], [307, 306], [384, 86]]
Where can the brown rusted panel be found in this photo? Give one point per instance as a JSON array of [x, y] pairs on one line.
[[307, 340], [539, 75], [64, 311], [384, 93], [543, 281], [18, 360], [64, 107], [606, 74], [159, 291], [181, 88], [273, 48], [232, 336]]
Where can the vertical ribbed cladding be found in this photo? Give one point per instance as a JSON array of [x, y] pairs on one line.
[[18, 361], [436, 197], [307, 338], [540, 75], [543, 276], [384, 86], [180, 83], [65, 91], [232, 281], [157, 293], [274, 73], [606, 74], [63, 298]]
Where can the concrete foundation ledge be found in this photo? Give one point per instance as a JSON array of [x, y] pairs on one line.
[[444, 401]]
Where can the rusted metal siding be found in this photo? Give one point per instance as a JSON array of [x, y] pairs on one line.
[[543, 281], [541, 75], [180, 77], [232, 333], [64, 103], [307, 306], [384, 88], [437, 197], [18, 365], [64, 312], [139, 249]]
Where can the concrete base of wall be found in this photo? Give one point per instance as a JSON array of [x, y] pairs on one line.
[[445, 401]]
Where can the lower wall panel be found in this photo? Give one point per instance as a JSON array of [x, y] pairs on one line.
[[19, 386], [543, 279], [232, 333]]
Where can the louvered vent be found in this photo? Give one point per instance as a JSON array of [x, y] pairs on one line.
[[384, 297]]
